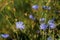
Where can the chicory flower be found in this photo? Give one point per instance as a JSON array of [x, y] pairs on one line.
[[52, 25], [20, 25], [43, 26], [35, 7], [50, 21], [31, 17], [5, 35]]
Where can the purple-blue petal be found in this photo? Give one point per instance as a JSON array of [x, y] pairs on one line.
[[52, 25], [4, 35], [31, 17], [43, 26], [50, 21], [20, 25], [35, 7]]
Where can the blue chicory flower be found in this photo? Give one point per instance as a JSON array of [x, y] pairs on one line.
[[31, 17], [43, 26], [52, 25], [35, 7], [50, 21], [46, 7], [49, 38], [20, 25], [5, 35]]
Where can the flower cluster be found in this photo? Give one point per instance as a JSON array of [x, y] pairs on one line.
[[44, 7], [50, 24], [20, 25]]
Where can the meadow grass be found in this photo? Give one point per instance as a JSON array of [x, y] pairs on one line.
[[12, 11]]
